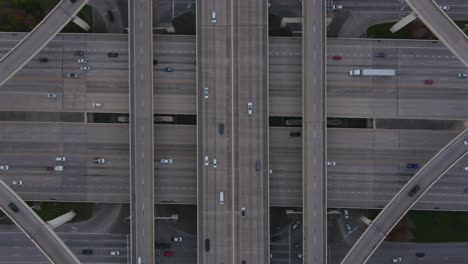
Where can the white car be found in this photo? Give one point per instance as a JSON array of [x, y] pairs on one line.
[[207, 161], [213, 17], [465, 168], [4, 167], [17, 182], [97, 104], [331, 163], [346, 214], [348, 227], [335, 7], [58, 168], [115, 253], [99, 160], [51, 95], [82, 60], [249, 107], [165, 161], [60, 159], [465, 142], [462, 75], [85, 68], [215, 163], [396, 260], [205, 92], [177, 239], [445, 8]]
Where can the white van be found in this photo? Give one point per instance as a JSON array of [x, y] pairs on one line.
[[221, 197]]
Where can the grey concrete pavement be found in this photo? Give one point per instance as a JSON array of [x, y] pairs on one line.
[[34, 227], [141, 131], [409, 194], [15, 247], [314, 147], [25, 50], [430, 13]]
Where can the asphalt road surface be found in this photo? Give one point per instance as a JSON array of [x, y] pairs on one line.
[[34, 227], [406, 198], [15, 247], [314, 132], [141, 132], [57, 19], [442, 26], [215, 181]]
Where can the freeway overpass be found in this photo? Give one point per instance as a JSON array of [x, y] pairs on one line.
[[370, 169], [174, 92], [38, 38], [406, 197]]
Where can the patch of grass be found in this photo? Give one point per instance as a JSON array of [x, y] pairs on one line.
[[383, 31], [437, 227], [50, 211], [463, 24], [86, 13]]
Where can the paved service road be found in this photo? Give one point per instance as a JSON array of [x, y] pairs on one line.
[[38, 38], [381, 226], [34, 227], [314, 147], [141, 131], [442, 26]]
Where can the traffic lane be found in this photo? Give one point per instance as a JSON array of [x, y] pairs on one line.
[[17, 248], [36, 229], [442, 26], [402, 202]]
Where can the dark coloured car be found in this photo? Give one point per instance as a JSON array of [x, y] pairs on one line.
[[275, 238], [207, 245], [43, 59], [13, 207], [428, 81], [297, 245], [79, 53], [112, 54], [257, 165], [168, 253], [380, 54], [420, 254], [412, 166], [87, 251], [73, 1], [413, 191], [244, 262], [466, 190], [168, 69], [155, 62], [294, 134], [110, 16], [336, 57], [221, 129]]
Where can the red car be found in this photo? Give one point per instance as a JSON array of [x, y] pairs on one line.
[[336, 57], [428, 81], [168, 253]]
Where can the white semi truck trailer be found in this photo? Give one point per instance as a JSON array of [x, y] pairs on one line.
[[372, 72]]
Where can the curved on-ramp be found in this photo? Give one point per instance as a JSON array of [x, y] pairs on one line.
[[442, 26], [27, 48], [381, 226], [35, 228]]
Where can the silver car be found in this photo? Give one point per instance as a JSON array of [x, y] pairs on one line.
[[166, 161], [462, 75], [4, 167], [205, 92], [207, 161], [213, 17], [82, 60], [249, 107], [85, 68]]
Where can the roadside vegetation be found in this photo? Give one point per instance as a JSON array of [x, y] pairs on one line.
[[414, 30]]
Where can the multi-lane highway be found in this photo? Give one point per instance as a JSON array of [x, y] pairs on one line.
[[442, 26], [140, 64], [15, 247], [215, 133], [250, 43], [407, 196], [314, 133], [57, 19], [40, 233], [405, 96]]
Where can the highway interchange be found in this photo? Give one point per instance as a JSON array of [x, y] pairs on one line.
[[381, 154]]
